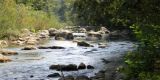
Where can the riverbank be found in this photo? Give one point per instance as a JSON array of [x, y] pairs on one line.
[[111, 70]]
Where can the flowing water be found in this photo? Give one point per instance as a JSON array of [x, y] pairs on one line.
[[34, 64]]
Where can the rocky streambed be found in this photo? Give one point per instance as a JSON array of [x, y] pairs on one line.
[[34, 64]]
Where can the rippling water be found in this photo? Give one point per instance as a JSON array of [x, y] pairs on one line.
[[37, 62]]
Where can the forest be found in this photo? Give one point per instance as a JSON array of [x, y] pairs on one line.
[[140, 17]]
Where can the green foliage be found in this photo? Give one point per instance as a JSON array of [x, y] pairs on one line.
[[143, 18], [14, 17]]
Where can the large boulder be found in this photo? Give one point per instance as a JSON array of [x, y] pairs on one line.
[[52, 31], [4, 59], [8, 52], [82, 66], [70, 67], [65, 34], [85, 44], [29, 48]]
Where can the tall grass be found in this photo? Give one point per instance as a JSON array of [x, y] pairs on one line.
[[14, 17]]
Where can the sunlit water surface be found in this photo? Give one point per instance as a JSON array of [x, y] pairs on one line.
[[37, 62]]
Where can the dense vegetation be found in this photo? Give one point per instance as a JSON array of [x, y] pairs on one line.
[[33, 14], [142, 16]]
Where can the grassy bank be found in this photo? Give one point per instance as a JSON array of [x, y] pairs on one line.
[[14, 17]]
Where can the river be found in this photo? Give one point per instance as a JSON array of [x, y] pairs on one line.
[[34, 64]]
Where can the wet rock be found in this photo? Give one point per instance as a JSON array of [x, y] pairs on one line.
[[54, 75], [70, 67], [56, 47], [31, 76], [67, 78], [55, 67], [85, 44], [82, 78], [90, 67], [102, 46], [50, 47], [4, 59], [105, 61], [29, 48], [43, 47], [52, 31], [94, 50], [8, 52], [69, 36], [82, 66]]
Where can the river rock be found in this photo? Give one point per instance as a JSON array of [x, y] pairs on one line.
[[85, 44], [4, 59], [32, 41], [102, 46], [8, 52], [92, 35], [82, 78], [56, 47], [55, 67], [52, 31], [82, 30], [54, 75], [105, 30], [3, 43], [90, 67], [43, 34], [65, 34], [67, 78], [69, 36], [70, 67], [43, 47], [82, 66], [29, 48]]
